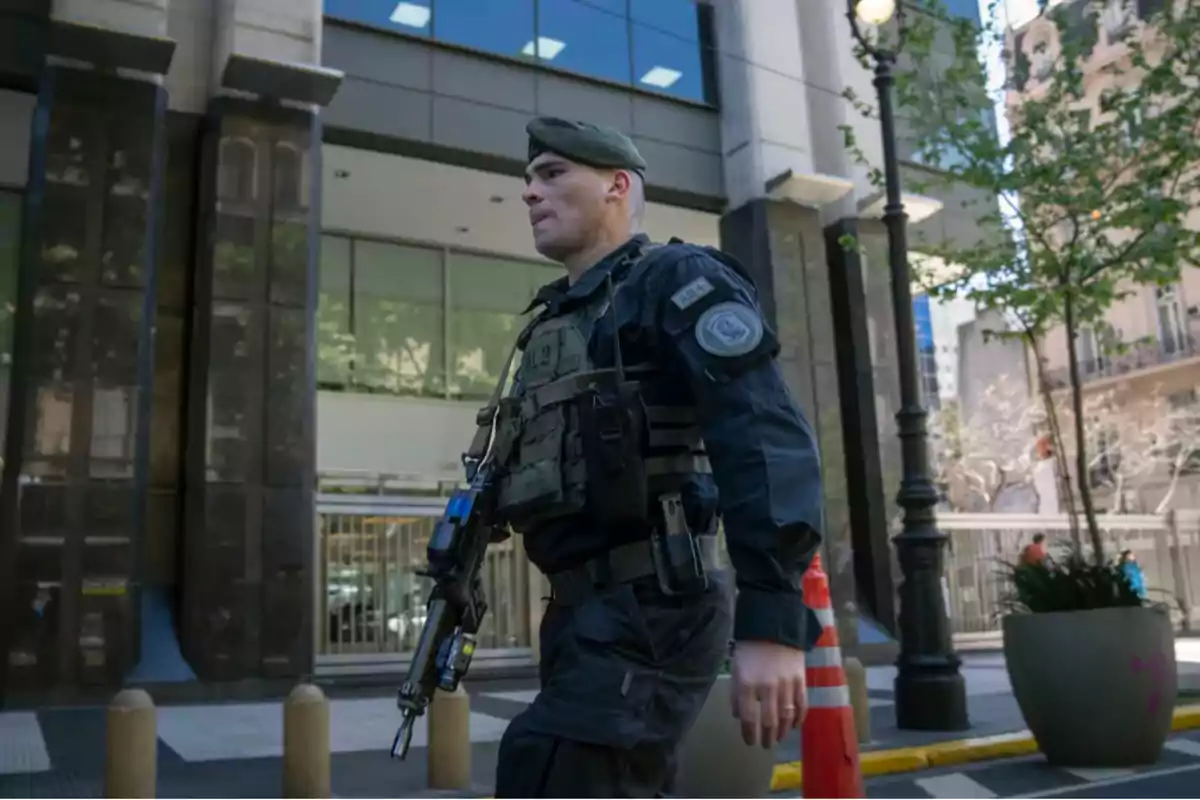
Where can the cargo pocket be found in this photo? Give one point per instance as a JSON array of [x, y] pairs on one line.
[[604, 681]]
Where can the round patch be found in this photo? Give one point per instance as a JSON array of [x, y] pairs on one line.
[[729, 330]]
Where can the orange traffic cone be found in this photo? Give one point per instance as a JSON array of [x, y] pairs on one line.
[[828, 744]]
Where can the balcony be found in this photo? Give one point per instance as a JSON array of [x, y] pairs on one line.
[[1138, 357]]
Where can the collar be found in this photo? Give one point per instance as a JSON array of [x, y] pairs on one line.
[[561, 292]]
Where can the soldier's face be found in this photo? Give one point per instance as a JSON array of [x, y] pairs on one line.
[[569, 204]]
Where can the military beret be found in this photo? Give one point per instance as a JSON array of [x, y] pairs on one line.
[[582, 142]]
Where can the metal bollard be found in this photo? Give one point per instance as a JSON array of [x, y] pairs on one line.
[[306, 763], [131, 749], [856, 680], [449, 751]]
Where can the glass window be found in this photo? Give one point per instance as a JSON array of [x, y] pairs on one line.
[[591, 38], [409, 16], [398, 319], [487, 296], [497, 26], [335, 338], [966, 9], [667, 47]]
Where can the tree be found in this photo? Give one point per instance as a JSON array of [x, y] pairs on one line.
[[1121, 447], [1095, 177], [1133, 445], [990, 451]]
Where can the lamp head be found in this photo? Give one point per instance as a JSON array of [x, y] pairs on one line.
[[875, 12]]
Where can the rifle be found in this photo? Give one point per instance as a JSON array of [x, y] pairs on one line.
[[456, 604]]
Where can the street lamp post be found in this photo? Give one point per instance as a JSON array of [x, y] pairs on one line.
[[930, 693]]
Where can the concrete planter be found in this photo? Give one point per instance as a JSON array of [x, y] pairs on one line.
[[714, 761], [1096, 688]]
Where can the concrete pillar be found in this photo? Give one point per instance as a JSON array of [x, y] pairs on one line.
[[131, 741], [76, 447], [249, 522], [306, 758], [449, 750]]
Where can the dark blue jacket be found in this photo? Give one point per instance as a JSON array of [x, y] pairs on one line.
[[695, 315]]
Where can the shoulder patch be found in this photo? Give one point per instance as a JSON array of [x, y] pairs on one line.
[[729, 330], [694, 291]]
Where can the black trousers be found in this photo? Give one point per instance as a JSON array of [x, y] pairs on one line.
[[623, 677]]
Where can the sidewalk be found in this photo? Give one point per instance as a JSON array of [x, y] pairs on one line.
[[233, 749]]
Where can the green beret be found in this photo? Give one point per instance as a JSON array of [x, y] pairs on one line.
[[584, 143]]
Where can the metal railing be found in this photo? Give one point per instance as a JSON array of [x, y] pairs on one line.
[[1141, 355], [1167, 547], [371, 601]]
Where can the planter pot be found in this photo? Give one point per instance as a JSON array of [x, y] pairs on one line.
[[1096, 688], [714, 761]]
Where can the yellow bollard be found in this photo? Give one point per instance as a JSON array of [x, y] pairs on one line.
[[449, 751], [856, 680], [306, 767], [131, 757]]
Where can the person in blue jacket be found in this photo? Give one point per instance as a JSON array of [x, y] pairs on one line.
[[1132, 571]]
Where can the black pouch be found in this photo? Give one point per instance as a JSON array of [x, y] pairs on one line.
[[613, 434], [678, 562]]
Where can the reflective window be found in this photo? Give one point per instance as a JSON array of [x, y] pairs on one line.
[[335, 339], [398, 319], [497, 26], [591, 38], [413, 17], [667, 47], [967, 9], [487, 296], [386, 322], [655, 45]]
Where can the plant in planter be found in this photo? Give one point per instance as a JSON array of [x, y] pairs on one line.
[[1092, 665], [713, 760]]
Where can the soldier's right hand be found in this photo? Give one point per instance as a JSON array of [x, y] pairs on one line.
[[769, 694]]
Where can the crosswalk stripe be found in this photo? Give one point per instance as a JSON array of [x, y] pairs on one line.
[[954, 784], [1188, 747], [22, 746], [1098, 773]]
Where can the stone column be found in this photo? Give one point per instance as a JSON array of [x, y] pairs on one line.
[[250, 459], [73, 501]]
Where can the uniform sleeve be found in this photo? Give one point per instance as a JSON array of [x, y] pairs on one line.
[[763, 453]]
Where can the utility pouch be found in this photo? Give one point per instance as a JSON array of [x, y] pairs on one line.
[[678, 563], [545, 485], [613, 434]]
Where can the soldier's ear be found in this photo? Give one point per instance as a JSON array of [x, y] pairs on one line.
[[620, 184]]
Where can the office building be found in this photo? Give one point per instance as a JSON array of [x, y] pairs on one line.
[[262, 259]]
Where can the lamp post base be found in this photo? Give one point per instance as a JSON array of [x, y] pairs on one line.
[[931, 699]]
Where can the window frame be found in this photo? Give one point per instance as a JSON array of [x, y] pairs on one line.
[[706, 41], [446, 255]]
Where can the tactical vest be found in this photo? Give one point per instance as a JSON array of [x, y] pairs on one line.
[[573, 439]]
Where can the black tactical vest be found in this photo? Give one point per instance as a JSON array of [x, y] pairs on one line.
[[573, 439]]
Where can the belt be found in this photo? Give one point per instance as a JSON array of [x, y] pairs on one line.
[[622, 564]]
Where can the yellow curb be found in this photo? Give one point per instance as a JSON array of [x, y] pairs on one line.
[[789, 776], [1186, 718], [1007, 745]]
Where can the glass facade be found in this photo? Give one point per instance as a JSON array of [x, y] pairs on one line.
[[418, 321], [655, 45], [926, 352], [966, 9]]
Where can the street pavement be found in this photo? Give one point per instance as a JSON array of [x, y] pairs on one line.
[[234, 749], [1177, 774]]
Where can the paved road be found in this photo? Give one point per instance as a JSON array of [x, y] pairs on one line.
[[1177, 774]]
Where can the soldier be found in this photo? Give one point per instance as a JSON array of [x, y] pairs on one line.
[[611, 448]]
